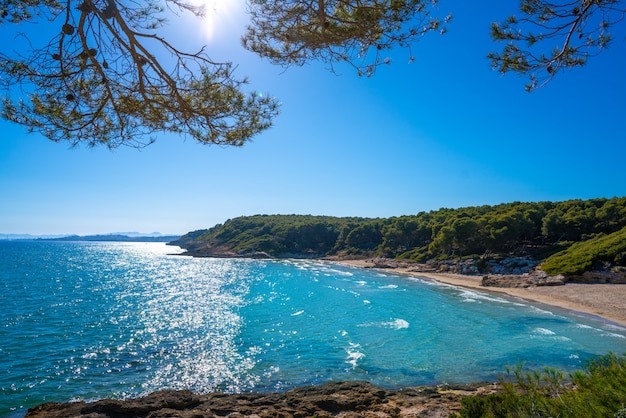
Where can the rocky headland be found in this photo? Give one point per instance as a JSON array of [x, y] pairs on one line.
[[335, 399]]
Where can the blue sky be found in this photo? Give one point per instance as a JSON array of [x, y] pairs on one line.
[[443, 131]]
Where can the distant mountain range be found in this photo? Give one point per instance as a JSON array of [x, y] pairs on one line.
[[11, 237], [116, 236]]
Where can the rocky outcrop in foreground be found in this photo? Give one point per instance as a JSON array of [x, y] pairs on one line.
[[336, 399]]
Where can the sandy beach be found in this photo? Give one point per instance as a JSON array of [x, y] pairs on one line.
[[607, 301]]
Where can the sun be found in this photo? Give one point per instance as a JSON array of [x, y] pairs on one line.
[[220, 15]]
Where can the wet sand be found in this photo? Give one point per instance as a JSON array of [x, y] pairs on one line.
[[607, 301]]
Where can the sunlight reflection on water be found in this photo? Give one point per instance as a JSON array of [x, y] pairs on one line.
[[89, 320]]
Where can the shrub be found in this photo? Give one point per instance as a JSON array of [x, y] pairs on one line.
[[597, 391], [582, 256]]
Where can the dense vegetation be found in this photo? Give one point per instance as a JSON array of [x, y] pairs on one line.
[[593, 231], [586, 255], [277, 235], [597, 391]]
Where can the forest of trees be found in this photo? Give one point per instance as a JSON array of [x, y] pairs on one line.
[[537, 229]]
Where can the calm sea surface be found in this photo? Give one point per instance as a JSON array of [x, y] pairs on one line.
[[94, 320]]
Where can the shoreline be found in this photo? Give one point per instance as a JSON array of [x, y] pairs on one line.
[[328, 400], [604, 301], [351, 398]]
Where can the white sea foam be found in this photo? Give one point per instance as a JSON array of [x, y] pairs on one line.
[[616, 327], [395, 324], [547, 333], [479, 297], [426, 280], [354, 355], [334, 272], [541, 311], [543, 331], [398, 324], [302, 265], [297, 313], [388, 286], [614, 335]]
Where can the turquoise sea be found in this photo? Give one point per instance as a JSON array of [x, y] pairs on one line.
[[94, 320]]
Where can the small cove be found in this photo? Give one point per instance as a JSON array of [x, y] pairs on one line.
[[93, 320]]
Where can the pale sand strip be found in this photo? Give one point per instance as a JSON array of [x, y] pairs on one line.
[[607, 301]]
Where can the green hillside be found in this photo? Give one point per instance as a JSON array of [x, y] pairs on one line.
[[555, 231], [592, 254], [276, 235]]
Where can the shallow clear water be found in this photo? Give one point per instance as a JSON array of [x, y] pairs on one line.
[[94, 320]]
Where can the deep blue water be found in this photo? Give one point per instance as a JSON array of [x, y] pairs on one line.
[[94, 320]]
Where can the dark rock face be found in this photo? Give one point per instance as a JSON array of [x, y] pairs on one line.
[[336, 399]]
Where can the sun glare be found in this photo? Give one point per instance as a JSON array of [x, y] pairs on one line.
[[220, 16]]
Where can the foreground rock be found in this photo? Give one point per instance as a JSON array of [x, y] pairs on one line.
[[336, 399]]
